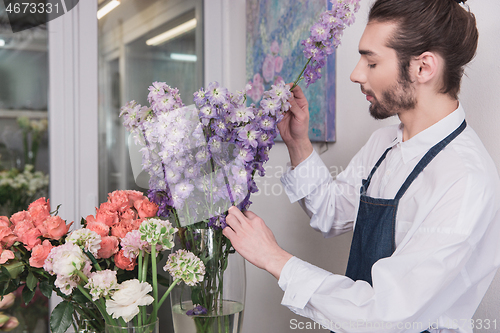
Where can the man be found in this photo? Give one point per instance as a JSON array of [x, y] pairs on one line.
[[426, 204]]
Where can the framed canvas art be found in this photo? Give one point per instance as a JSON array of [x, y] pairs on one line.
[[275, 29]]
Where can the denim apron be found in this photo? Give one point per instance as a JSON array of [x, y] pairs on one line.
[[373, 237]]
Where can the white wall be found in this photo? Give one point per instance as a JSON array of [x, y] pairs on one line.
[[480, 97]]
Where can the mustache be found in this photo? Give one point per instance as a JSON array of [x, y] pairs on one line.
[[367, 92]]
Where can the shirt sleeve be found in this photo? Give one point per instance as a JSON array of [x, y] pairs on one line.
[[331, 204], [419, 282]]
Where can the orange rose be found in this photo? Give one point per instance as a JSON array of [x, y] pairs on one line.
[[20, 216], [23, 227], [6, 255], [123, 262], [119, 230], [7, 238], [128, 215], [107, 217], [39, 211], [4, 221], [56, 227], [98, 227], [133, 196], [30, 239], [119, 200], [40, 253], [146, 208], [109, 246]]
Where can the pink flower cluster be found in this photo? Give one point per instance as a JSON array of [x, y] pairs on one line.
[[33, 228], [122, 213]]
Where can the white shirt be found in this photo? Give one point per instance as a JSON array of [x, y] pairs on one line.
[[447, 235]]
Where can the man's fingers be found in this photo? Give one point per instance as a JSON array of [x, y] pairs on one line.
[[233, 222], [237, 213], [228, 232], [249, 214]]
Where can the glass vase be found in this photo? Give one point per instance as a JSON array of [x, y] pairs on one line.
[[217, 303], [132, 328]]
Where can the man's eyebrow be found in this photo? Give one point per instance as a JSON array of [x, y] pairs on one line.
[[367, 53]]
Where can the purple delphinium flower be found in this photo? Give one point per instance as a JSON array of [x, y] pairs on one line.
[[219, 126], [242, 114], [197, 311], [217, 222], [248, 135], [270, 105], [200, 97], [325, 36], [216, 94], [266, 123]]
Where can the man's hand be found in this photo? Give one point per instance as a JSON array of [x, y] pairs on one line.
[[255, 241], [294, 128]]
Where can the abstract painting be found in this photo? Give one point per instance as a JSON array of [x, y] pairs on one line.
[[275, 29]]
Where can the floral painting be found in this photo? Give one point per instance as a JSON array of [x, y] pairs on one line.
[[275, 29]]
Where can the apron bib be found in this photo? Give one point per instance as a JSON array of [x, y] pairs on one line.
[[374, 232]]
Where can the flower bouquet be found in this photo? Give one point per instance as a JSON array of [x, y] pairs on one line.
[[106, 272], [202, 159]]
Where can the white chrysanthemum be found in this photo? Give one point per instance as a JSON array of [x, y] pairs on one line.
[[186, 266], [90, 240], [126, 300], [102, 283]]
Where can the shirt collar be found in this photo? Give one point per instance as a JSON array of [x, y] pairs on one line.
[[426, 139]]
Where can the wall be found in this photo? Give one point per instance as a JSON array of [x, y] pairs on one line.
[[226, 30]]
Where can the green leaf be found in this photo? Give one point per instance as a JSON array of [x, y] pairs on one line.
[[62, 317], [31, 281], [14, 269], [196, 295], [45, 288], [27, 295]]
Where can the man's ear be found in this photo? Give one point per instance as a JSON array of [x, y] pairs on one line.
[[426, 67]]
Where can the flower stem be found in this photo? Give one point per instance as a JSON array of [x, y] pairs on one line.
[[297, 80], [155, 281], [165, 295]]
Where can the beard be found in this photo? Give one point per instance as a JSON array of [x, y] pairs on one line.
[[400, 97]]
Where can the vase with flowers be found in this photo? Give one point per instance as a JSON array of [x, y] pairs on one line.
[[106, 272], [202, 159]]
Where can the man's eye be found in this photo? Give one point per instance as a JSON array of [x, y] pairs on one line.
[[372, 65]]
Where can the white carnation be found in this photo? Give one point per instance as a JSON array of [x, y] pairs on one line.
[[126, 300]]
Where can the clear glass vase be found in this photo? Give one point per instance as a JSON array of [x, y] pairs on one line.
[[217, 303], [132, 328]]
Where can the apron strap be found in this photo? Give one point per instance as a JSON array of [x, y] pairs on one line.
[[428, 157], [366, 182]]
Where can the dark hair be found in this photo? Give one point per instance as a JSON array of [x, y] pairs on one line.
[[441, 26]]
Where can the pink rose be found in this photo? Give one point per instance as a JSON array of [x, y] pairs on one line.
[[30, 238], [20, 216], [56, 227], [119, 200], [6, 255], [7, 237], [107, 217], [268, 68], [4, 221], [123, 262], [146, 208], [107, 206], [98, 227], [40, 253], [39, 211], [278, 64], [109, 246]]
